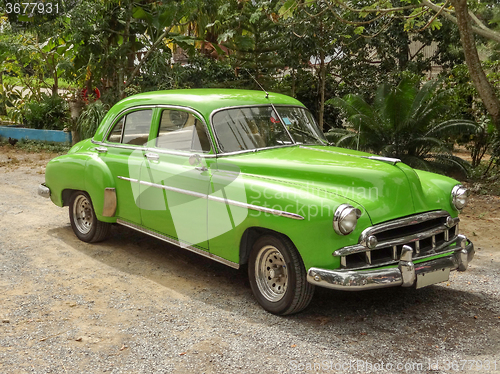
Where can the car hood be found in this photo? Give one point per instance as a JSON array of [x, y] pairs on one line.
[[385, 190]]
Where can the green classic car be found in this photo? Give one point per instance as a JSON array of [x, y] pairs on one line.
[[246, 177]]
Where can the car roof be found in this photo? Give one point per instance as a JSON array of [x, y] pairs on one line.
[[202, 100], [205, 100]]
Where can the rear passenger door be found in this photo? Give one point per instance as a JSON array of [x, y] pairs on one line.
[[123, 152], [175, 177]]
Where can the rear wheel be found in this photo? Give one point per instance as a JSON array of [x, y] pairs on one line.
[[278, 277], [84, 221]]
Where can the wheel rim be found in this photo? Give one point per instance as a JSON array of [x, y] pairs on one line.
[[83, 214], [271, 273]]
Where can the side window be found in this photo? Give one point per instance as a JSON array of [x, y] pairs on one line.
[[133, 128], [115, 135], [181, 131]]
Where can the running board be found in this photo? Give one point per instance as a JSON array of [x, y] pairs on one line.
[[169, 240]]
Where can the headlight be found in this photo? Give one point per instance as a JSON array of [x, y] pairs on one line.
[[459, 196], [345, 219]]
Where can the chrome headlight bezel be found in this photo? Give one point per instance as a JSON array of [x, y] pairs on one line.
[[345, 219], [459, 197]]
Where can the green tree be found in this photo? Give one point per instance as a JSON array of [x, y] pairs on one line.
[[253, 36], [424, 15], [403, 122]]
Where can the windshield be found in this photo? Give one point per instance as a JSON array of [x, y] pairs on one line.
[[246, 128]]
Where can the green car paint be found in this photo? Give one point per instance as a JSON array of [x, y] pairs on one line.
[[306, 181]]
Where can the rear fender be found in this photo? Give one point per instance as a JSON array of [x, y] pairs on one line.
[[81, 172]]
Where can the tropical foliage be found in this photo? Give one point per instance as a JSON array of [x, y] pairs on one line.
[[90, 119], [50, 113], [402, 122], [312, 50]]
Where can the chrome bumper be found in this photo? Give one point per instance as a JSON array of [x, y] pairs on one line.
[[43, 190], [405, 274]]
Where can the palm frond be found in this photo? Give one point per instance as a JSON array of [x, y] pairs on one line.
[[459, 126]]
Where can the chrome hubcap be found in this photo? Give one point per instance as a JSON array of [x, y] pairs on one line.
[[271, 273], [83, 214]]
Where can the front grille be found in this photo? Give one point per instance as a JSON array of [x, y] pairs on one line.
[[427, 234]]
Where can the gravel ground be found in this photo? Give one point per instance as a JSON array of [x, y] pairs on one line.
[[134, 304]]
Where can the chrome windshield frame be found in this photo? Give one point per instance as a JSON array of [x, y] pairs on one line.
[[273, 107]]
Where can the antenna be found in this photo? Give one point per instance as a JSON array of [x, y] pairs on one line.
[[359, 134], [256, 81]]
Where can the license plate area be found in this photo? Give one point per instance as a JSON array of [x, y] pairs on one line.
[[433, 277]]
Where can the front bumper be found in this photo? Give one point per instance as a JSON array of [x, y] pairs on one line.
[[43, 190], [406, 274]]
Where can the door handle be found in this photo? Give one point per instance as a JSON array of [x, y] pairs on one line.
[[201, 168], [101, 149], [152, 156]]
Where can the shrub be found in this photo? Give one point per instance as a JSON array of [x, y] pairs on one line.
[[91, 117], [404, 122], [51, 113]]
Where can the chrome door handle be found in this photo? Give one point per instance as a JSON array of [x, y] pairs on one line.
[[201, 168], [152, 156], [101, 149]]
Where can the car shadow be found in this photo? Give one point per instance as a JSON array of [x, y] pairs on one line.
[[438, 312]]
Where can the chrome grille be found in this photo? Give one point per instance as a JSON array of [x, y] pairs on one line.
[[427, 234]]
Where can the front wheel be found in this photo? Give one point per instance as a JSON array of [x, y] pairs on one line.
[[278, 277], [84, 221]]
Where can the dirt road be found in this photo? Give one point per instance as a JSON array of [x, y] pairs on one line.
[[134, 304]]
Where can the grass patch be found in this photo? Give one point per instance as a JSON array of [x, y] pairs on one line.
[[50, 82], [37, 146]]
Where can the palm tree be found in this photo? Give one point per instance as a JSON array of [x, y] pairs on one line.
[[403, 122]]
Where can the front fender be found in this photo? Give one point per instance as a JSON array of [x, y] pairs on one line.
[[313, 235]]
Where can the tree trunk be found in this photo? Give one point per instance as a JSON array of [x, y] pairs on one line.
[[55, 86], [3, 105], [76, 108], [322, 88], [483, 86]]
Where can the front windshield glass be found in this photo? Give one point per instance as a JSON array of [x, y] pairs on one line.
[[246, 128]]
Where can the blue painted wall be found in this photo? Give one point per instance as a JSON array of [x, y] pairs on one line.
[[33, 134]]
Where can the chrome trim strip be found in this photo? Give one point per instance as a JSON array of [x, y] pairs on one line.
[[389, 160], [332, 152], [380, 278], [254, 150], [397, 241], [109, 206], [121, 146], [219, 199], [392, 161], [401, 222], [437, 251], [157, 150], [178, 243]]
